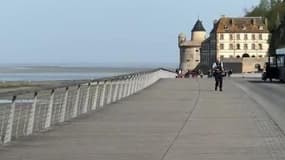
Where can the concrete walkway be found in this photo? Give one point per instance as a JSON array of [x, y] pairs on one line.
[[172, 120]]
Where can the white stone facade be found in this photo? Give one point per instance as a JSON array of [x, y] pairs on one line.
[[237, 45]]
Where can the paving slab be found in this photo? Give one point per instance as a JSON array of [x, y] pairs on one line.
[[175, 119]]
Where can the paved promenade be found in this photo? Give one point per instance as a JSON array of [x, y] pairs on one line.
[[172, 120]]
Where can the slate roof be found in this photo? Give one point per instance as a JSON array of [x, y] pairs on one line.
[[241, 25], [198, 26]]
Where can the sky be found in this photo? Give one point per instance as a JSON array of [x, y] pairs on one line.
[[103, 32]]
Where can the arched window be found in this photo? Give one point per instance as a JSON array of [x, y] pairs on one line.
[[245, 55], [238, 56]]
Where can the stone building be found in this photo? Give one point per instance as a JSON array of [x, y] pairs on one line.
[[241, 43], [190, 49]]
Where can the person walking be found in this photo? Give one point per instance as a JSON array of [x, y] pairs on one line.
[[218, 70]]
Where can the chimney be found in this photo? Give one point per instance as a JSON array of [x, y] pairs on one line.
[[266, 22], [253, 21], [231, 21]]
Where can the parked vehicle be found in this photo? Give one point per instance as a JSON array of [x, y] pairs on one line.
[[275, 67]]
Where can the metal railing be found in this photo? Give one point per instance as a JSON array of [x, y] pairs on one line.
[[34, 111]]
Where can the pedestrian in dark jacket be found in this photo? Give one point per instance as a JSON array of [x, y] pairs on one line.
[[218, 70]]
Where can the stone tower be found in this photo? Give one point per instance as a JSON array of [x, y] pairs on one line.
[[190, 49]]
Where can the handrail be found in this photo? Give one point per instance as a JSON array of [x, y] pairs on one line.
[[35, 110]]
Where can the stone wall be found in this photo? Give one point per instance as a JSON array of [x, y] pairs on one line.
[[251, 64], [244, 65]]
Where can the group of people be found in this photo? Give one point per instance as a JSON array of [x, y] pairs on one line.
[[217, 71]]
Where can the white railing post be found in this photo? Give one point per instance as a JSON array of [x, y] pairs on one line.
[[115, 94], [31, 119], [135, 84], [49, 112], [102, 97], [94, 105], [138, 81], [126, 87], [76, 104], [130, 86], [85, 107], [9, 127], [121, 91], [109, 98], [64, 106]]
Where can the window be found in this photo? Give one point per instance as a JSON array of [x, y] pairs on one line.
[[226, 27], [245, 46], [222, 37], [260, 46], [260, 28], [231, 46], [253, 46], [260, 36], [238, 36], [238, 46], [231, 37], [188, 60], [253, 36], [245, 55], [245, 37], [221, 46], [238, 56]]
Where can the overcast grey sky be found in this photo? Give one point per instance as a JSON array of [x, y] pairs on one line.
[[103, 31]]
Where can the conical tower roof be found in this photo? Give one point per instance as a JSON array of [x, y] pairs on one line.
[[198, 27]]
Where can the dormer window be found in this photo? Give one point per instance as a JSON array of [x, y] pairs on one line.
[[226, 27]]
